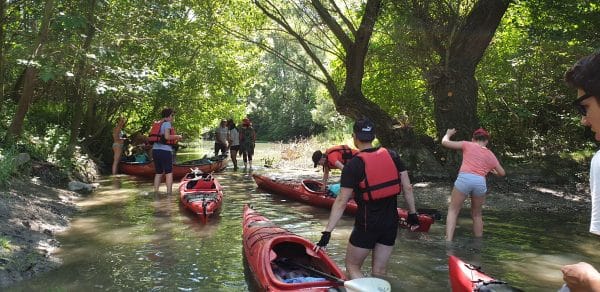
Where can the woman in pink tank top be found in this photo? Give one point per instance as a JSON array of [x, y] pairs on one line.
[[477, 162]]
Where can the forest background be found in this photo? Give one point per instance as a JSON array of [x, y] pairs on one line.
[[298, 69]]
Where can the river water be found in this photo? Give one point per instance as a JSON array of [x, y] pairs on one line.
[[128, 239]]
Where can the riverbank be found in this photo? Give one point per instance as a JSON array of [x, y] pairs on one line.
[[32, 211]]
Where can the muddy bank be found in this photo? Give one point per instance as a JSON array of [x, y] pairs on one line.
[[30, 215]]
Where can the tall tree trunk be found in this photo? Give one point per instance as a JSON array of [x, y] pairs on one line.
[[452, 82], [30, 81], [455, 101], [80, 73], [2, 57]]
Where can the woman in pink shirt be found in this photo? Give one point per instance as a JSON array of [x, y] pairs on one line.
[[477, 162]]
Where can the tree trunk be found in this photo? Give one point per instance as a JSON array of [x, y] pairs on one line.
[[452, 81], [455, 102], [2, 57], [30, 81], [79, 91]]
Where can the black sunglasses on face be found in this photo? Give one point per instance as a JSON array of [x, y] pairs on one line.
[[577, 104]]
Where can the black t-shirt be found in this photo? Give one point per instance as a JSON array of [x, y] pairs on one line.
[[372, 215]]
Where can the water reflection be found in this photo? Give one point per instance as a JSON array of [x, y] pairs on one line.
[[128, 238]]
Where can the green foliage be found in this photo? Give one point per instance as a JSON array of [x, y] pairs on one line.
[[523, 99], [146, 55], [4, 243], [8, 165], [283, 98]]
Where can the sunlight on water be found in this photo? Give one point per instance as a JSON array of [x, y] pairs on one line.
[[128, 239]]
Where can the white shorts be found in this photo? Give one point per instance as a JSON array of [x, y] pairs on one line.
[[471, 184]]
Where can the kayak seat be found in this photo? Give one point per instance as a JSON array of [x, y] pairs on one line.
[[312, 186], [296, 252], [194, 197], [200, 184]]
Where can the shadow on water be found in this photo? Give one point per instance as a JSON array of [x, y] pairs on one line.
[[127, 238]]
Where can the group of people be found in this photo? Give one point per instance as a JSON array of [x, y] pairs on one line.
[[373, 177], [162, 141], [239, 141]]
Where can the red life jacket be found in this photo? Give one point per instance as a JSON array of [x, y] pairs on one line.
[[155, 135], [382, 179], [343, 153]]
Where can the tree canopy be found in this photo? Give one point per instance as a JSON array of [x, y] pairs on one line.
[[416, 67]]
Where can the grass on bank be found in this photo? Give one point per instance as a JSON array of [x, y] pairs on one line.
[[8, 165]]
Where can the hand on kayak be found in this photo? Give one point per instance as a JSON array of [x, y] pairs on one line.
[[326, 235], [581, 277], [413, 221]]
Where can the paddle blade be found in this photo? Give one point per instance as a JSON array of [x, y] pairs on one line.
[[367, 285]]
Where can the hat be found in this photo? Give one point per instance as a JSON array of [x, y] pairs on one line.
[[364, 130], [481, 132], [246, 121], [316, 157]]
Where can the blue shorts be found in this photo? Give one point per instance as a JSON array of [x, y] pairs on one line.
[[471, 184], [163, 161]]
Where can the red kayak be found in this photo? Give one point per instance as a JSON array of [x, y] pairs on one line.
[[282, 261], [146, 169], [201, 193], [312, 192], [469, 278]]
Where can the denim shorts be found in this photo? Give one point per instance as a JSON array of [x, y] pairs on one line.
[[471, 184]]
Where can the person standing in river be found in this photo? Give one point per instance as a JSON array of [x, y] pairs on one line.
[[585, 77], [118, 143], [247, 142], [221, 138], [234, 142], [374, 178], [164, 138], [477, 162]]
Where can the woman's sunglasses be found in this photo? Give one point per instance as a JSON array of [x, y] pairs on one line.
[[577, 104]]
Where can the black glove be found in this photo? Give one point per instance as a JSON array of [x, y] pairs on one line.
[[324, 239], [413, 219]]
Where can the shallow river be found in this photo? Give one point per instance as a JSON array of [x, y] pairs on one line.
[[128, 239]]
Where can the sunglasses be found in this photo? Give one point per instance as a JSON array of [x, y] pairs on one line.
[[577, 104]]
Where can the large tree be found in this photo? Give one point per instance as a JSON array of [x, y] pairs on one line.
[[340, 36], [31, 74], [447, 40]]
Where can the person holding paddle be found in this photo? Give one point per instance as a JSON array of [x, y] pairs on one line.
[[374, 177], [585, 77]]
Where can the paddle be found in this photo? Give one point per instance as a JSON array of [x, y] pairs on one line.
[[359, 285]]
